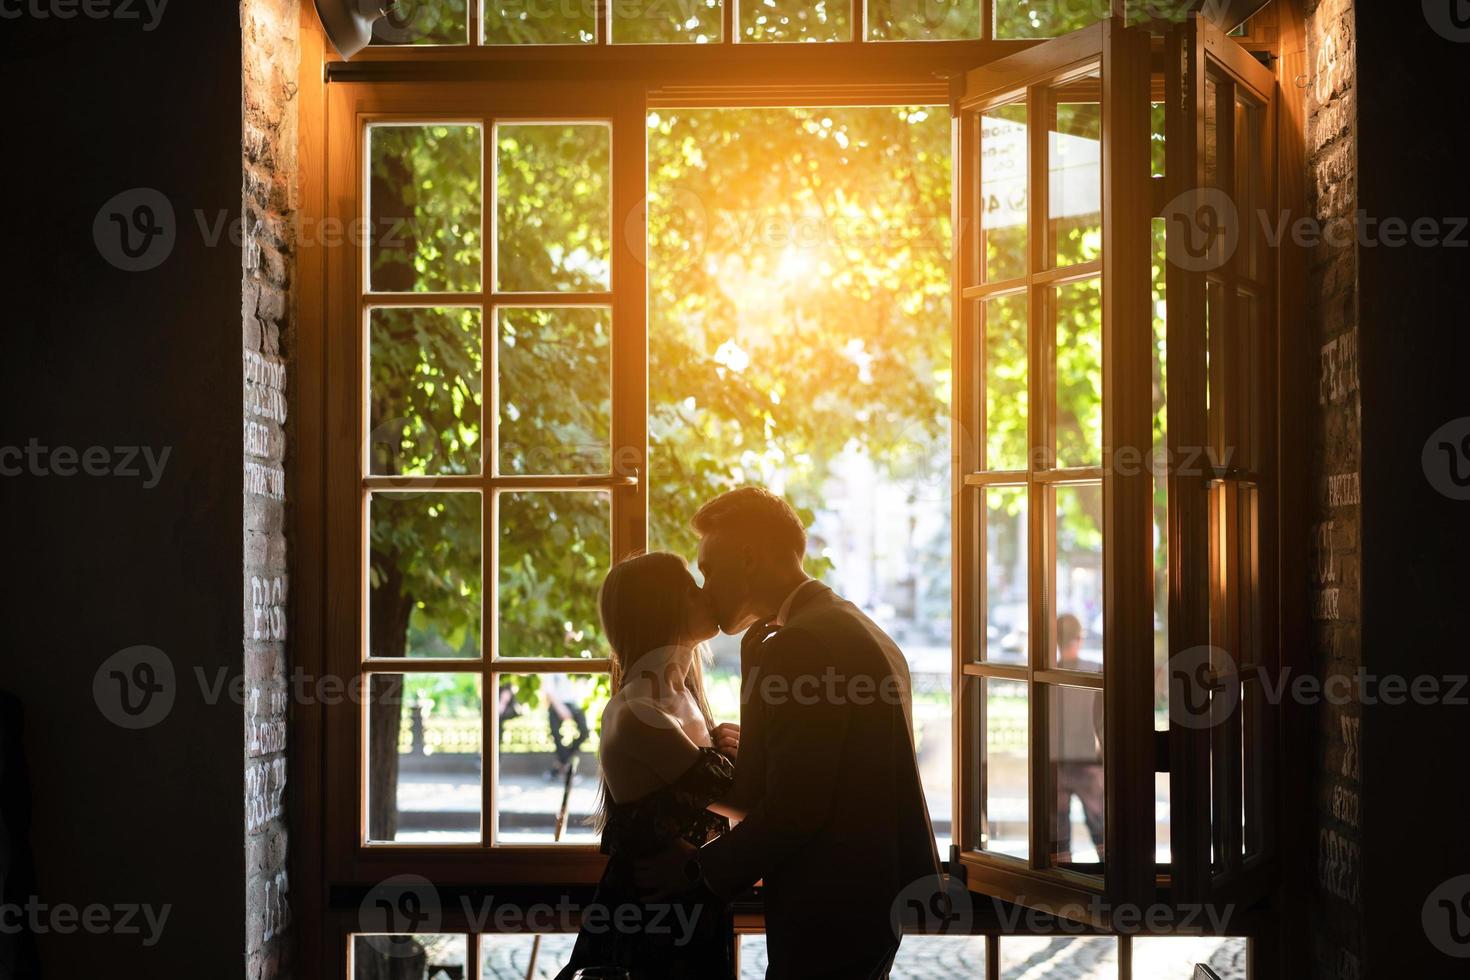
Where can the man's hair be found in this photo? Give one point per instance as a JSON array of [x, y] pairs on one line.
[[1069, 629], [757, 515]]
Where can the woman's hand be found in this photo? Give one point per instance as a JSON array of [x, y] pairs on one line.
[[727, 739]]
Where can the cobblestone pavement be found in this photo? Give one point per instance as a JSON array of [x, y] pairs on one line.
[[945, 957]]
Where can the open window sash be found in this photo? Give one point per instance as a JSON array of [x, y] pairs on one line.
[[1053, 387], [1222, 526]]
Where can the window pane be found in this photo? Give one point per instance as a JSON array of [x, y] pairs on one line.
[[408, 957], [425, 208], [1072, 957], [1175, 957], [423, 22], [1007, 441], [508, 957], [795, 20], [555, 369], [1004, 183], [1044, 18], [546, 757], [1074, 168], [554, 553], [424, 398], [1159, 470], [923, 20], [540, 22], [1078, 589], [424, 596], [1007, 616], [553, 207], [424, 758], [1004, 768], [1077, 802], [667, 21], [1078, 309]]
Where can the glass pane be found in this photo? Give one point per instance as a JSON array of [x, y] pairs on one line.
[[424, 596], [1163, 848], [1004, 768], [1074, 170], [423, 779], [1215, 368], [1157, 118], [553, 207], [1078, 308], [1159, 470], [1007, 616], [795, 20], [1007, 441], [423, 22], [508, 956], [1077, 802], [424, 397], [1078, 589], [408, 957], [555, 369], [1245, 383], [923, 20], [1247, 158], [424, 208], [540, 21], [1072, 957], [1175, 957], [554, 553], [546, 785], [667, 22], [1004, 185], [1212, 133], [1044, 18]]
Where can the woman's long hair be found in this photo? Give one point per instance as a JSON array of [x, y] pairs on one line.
[[642, 610]]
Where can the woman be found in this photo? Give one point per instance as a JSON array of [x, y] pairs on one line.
[[667, 773]]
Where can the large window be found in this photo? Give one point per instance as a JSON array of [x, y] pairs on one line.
[[579, 308]]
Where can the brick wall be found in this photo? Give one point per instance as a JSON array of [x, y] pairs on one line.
[[270, 54], [1336, 462]]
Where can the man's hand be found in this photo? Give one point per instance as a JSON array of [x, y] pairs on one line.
[[662, 875], [727, 739]]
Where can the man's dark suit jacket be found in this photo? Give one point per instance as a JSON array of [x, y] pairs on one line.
[[837, 825]]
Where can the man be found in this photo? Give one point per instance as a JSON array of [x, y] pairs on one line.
[[1077, 735], [836, 823], [564, 703]]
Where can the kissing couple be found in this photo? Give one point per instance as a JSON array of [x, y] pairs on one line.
[[815, 793]]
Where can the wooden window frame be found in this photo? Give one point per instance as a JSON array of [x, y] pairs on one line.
[[616, 82]]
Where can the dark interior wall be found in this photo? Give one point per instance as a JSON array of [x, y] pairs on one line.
[[95, 356], [1414, 359]]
